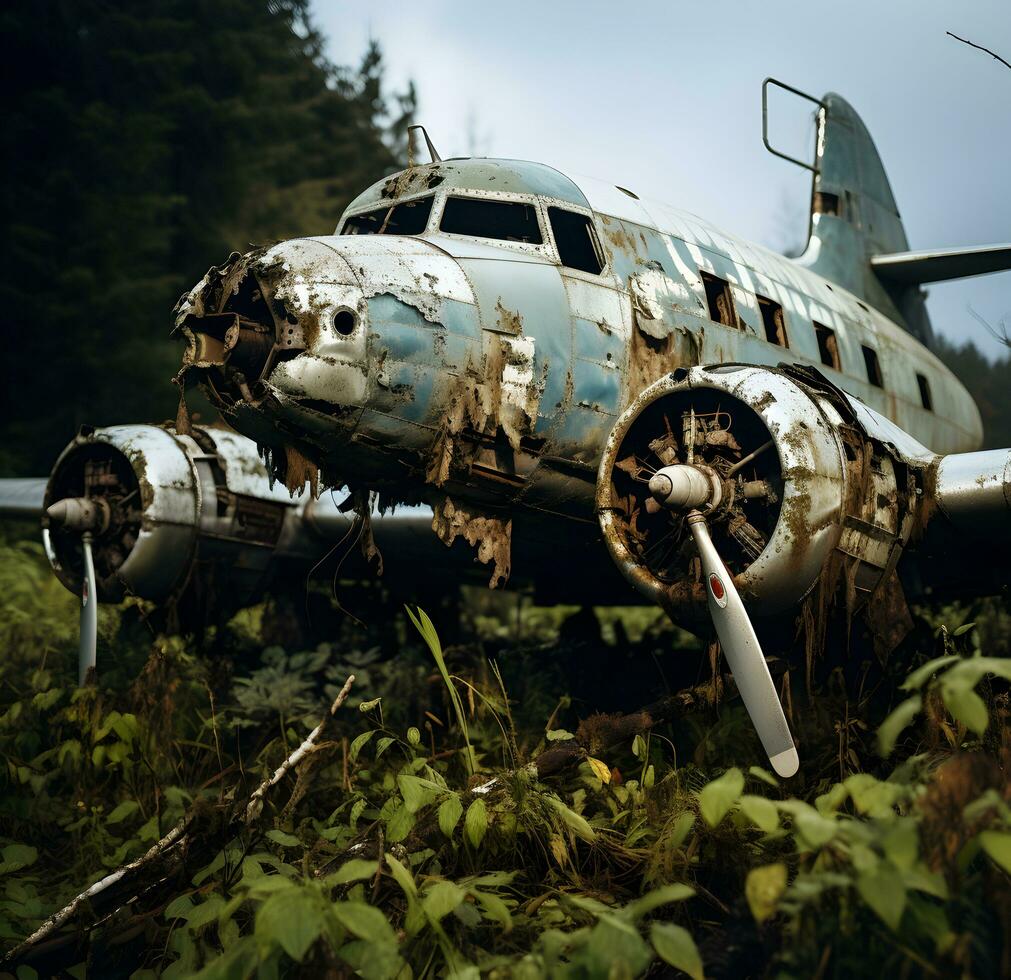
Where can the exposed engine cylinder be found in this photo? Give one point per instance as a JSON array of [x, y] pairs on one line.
[[795, 479]]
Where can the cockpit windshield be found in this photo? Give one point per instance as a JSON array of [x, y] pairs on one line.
[[406, 218], [477, 217]]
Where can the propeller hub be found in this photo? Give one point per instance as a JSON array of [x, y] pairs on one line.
[[80, 514], [685, 487]]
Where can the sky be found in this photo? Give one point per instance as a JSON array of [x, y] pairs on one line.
[[665, 99]]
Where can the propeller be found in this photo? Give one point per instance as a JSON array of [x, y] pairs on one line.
[[87, 652], [87, 515], [687, 487]]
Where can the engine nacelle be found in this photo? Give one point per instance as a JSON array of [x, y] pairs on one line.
[[800, 481], [161, 505]]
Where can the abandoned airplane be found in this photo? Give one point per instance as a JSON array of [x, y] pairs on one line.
[[575, 380]]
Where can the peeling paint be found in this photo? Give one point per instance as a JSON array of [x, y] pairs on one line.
[[490, 535]]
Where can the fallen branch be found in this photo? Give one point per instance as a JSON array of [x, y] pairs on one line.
[[255, 805], [172, 848]]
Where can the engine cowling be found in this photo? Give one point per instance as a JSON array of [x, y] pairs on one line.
[[796, 477], [160, 505]]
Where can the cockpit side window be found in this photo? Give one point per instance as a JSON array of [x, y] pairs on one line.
[[506, 221], [406, 218], [577, 244]]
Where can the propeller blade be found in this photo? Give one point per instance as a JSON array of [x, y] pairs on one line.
[[744, 654], [87, 656]]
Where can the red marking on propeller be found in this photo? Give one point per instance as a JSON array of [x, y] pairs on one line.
[[717, 586]]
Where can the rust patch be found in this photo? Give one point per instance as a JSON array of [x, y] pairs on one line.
[[502, 398], [299, 470], [491, 535], [508, 321]]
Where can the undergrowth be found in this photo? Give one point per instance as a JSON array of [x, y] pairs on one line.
[[426, 835]]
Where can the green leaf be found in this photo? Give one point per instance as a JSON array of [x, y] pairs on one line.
[[884, 891], [965, 705], [441, 899], [402, 876], [763, 889], [400, 824], [900, 844], [681, 828], [179, 907], [811, 827], [16, 857], [495, 909], [570, 818], [716, 798], [417, 792], [450, 811], [674, 945], [365, 922], [285, 840], [125, 809], [372, 961], [997, 844], [922, 674], [614, 949], [359, 743], [475, 824], [964, 628], [766, 777], [761, 812], [871, 796], [293, 919], [897, 722], [357, 869], [559, 735], [659, 896]]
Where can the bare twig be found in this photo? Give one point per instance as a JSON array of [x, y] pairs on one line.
[[174, 844], [255, 805], [57, 919], [999, 333], [979, 47]]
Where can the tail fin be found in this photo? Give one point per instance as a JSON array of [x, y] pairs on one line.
[[856, 238]]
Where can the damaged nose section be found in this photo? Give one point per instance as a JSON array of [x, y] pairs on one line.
[[249, 320]]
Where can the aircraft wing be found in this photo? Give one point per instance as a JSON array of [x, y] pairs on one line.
[[22, 497], [913, 268]]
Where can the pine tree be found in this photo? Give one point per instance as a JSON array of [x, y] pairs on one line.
[[144, 142]]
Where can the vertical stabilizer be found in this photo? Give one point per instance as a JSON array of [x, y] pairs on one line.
[[854, 217]]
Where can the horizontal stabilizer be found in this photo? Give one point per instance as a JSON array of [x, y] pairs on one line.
[[22, 497], [913, 268]]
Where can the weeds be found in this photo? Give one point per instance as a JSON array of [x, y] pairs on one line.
[[426, 840]]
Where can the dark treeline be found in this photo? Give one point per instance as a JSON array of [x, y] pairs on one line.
[[142, 143], [990, 384]]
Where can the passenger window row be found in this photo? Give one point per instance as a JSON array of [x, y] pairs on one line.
[[720, 302]]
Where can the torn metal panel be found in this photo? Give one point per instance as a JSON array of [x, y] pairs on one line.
[[491, 535]]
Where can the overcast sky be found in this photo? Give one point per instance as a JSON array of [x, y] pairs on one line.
[[665, 98]]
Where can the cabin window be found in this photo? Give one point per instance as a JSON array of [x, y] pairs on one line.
[[873, 366], [828, 346], [576, 241], [506, 221], [719, 299], [926, 399], [407, 218], [775, 323]]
